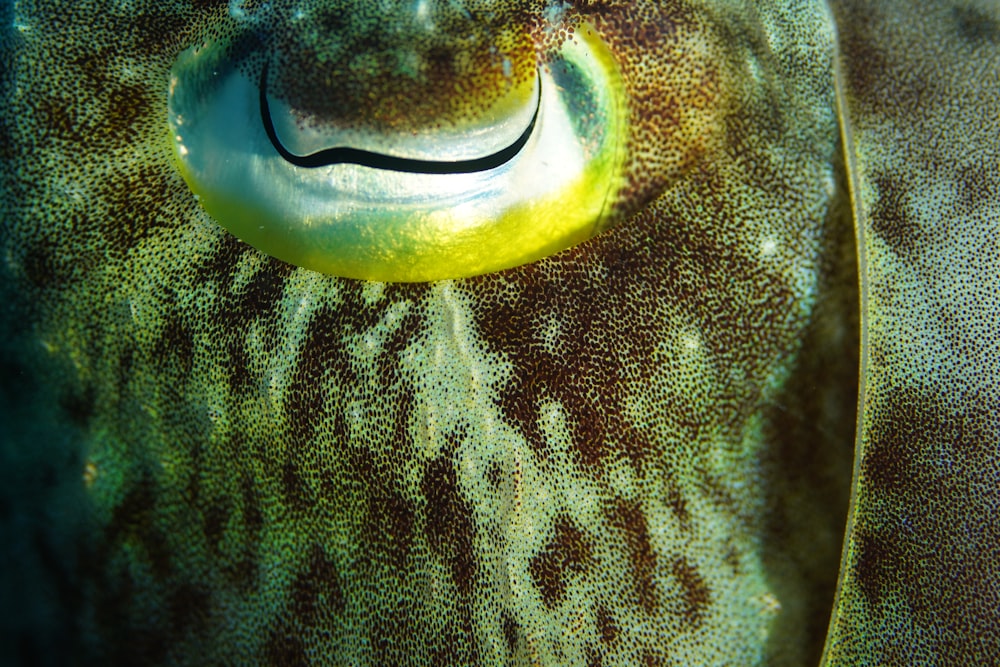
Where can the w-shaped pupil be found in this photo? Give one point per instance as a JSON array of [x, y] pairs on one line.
[[348, 155]]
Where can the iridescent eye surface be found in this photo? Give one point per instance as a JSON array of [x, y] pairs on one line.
[[532, 170]]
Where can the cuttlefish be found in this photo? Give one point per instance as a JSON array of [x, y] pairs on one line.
[[500, 332]]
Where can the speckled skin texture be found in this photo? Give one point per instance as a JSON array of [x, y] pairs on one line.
[[920, 577], [638, 451]]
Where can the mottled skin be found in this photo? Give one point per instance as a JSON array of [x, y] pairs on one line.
[[637, 451], [920, 580]]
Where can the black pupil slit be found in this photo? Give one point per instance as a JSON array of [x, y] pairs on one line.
[[348, 155]]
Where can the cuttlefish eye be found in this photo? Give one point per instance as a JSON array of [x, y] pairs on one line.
[[356, 180]]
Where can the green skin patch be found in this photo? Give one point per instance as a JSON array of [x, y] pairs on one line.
[[641, 449]]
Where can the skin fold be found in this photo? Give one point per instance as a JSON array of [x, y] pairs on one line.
[[752, 422]]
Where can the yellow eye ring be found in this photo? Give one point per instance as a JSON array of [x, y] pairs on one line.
[[526, 185]]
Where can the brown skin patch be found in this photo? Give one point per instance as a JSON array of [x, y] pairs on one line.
[[977, 185], [650, 659], [567, 553], [928, 549], [511, 633], [697, 598], [664, 142], [286, 649], [188, 607], [297, 493], [79, 406], [450, 527], [891, 464], [8, 150], [155, 31], [630, 520], [215, 519], [137, 201], [128, 107], [391, 518], [878, 563], [253, 517], [175, 346], [219, 266], [607, 628], [135, 513], [239, 377], [677, 504], [258, 301], [868, 59], [321, 353], [41, 265], [57, 119], [261, 297], [583, 375], [395, 518], [891, 221], [243, 573], [317, 590]]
